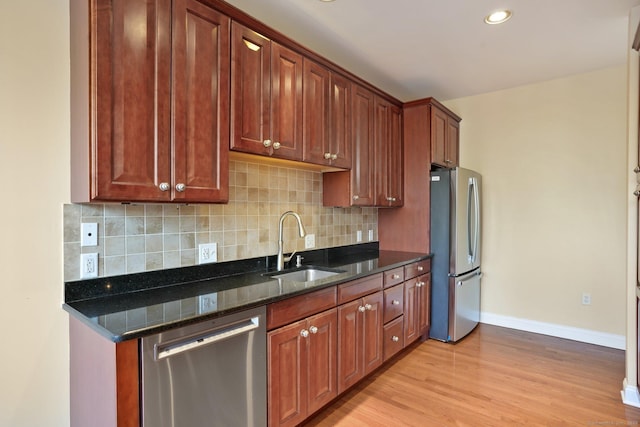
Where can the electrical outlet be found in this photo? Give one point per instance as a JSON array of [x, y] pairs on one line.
[[370, 235], [586, 299], [88, 266], [207, 252], [208, 303], [89, 234], [310, 241], [359, 236]]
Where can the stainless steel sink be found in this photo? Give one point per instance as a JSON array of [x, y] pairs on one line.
[[308, 275]]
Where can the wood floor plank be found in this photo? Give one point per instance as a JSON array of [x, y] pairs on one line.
[[494, 377]]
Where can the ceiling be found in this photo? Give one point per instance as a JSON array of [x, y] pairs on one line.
[[412, 49]]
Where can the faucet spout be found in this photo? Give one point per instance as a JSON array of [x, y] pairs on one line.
[[281, 258]]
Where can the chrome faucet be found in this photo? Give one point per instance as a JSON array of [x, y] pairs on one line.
[[281, 258]]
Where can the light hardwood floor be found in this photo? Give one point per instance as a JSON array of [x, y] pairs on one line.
[[494, 377]]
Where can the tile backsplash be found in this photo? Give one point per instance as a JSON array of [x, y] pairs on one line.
[[134, 238]]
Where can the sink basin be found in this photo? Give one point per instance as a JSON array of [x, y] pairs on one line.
[[308, 275]]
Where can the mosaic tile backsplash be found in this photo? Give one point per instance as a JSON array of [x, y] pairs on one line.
[[136, 238]]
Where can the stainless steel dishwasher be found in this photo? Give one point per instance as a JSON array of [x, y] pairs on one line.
[[212, 373]]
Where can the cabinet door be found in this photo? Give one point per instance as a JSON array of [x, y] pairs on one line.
[[130, 93], [424, 303], [340, 122], [395, 171], [411, 313], [250, 90], [286, 102], [382, 151], [322, 360], [350, 331], [453, 143], [200, 87], [372, 332], [438, 136], [362, 131], [286, 384], [316, 113]]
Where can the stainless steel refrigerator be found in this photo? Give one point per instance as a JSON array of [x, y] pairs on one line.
[[455, 244]]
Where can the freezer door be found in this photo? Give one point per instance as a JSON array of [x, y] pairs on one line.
[[466, 231], [466, 304]]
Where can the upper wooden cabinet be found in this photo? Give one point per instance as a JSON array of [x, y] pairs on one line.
[[149, 104], [327, 108], [266, 97], [445, 129], [388, 154]]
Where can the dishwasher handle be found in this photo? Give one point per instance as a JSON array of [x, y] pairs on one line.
[[164, 350]]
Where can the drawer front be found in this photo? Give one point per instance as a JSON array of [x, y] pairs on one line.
[[393, 302], [393, 277], [296, 308], [417, 268], [359, 288], [393, 338]]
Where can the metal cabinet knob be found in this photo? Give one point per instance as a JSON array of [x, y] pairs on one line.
[[391, 199], [395, 276], [313, 330], [180, 187], [276, 145], [361, 309], [420, 268], [395, 338], [334, 156], [327, 156], [636, 169], [164, 186], [267, 143], [395, 302], [367, 306], [419, 284], [356, 197], [304, 333]]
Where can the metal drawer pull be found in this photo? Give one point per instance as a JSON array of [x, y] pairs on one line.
[[304, 333], [164, 186], [395, 276], [361, 309], [276, 145], [395, 302], [171, 349], [180, 187], [420, 268], [267, 143], [313, 330], [327, 156], [395, 338], [367, 306]]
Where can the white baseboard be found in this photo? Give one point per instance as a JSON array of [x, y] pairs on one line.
[[630, 395], [560, 331]]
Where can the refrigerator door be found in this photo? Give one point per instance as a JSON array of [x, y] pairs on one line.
[[465, 299], [466, 235]]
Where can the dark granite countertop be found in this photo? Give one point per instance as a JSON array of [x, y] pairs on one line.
[[136, 305]]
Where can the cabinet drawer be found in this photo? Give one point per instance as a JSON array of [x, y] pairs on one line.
[[393, 302], [393, 337], [292, 309], [417, 268], [359, 288], [393, 277]]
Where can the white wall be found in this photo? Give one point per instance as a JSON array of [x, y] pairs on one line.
[[34, 172], [553, 158]]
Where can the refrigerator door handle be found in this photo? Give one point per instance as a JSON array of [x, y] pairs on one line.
[[469, 225], [476, 200]]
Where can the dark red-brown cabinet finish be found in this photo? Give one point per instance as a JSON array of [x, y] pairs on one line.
[[388, 154], [359, 339], [444, 138], [200, 87], [302, 368], [326, 117], [266, 96], [416, 305], [362, 128], [135, 96]]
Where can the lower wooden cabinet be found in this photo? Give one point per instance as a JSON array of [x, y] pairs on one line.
[[359, 339], [302, 360], [417, 302]]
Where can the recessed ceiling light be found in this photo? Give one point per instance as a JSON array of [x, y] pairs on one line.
[[498, 17], [326, 1]]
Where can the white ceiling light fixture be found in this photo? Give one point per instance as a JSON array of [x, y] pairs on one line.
[[498, 17]]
